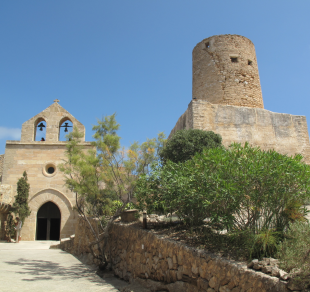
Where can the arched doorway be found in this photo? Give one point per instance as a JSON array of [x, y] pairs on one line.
[[48, 222]]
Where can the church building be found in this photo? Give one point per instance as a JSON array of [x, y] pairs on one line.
[[39, 153]]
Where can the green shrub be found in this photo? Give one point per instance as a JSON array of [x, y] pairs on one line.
[[9, 228], [185, 143], [264, 244], [294, 253], [170, 189], [20, 206], [116, 204], [243, 188]]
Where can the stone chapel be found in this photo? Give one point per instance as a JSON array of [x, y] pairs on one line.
[[52, 205]]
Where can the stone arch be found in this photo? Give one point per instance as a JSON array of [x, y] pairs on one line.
[[61, 201], [36, 123], [62, 122], [61, 194]]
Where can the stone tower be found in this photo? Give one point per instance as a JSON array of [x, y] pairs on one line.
[[227, 100], [225, 72]]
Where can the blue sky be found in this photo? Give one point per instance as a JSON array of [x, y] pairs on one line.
[[133, 57]]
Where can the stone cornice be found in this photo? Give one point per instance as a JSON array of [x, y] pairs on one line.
[[40, 143]]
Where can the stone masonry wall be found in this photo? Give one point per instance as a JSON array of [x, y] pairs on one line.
[[285, 133], [6, 195], [33, 157], [54, 116], [138, 253], [225, 71], [164, 265], [1, 166], [185, 121]]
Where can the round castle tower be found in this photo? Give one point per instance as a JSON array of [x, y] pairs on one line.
[[225, 71]]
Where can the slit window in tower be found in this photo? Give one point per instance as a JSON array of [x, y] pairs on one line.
[[234, 59], [250, 62]]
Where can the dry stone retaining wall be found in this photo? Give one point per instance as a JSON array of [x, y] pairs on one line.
[[164, 265], [138, 253]]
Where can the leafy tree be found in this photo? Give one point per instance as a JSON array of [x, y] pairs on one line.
[[185, 143], [105, 174]]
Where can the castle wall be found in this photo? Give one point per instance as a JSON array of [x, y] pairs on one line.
[[34, 157], [185, 121], [225, 72], [285, 133]]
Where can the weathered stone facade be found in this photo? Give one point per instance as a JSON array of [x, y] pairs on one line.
[[227, 99], [36, 157], [287, 134], [54, 116], [225, 71]]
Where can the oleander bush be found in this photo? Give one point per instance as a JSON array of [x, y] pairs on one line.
[[241, 188]]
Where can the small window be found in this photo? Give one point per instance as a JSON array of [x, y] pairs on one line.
[[234, 59], [207, 45], [49, 169], [250, 62]]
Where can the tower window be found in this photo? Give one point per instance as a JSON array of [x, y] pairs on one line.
[[234, 59], [250, 62], [207, 45], [51, 170]]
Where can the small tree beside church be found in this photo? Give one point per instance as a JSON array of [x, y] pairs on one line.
[[20, 207]]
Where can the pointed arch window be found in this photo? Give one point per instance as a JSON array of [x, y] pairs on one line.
[[40, 130], [65, 126]]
